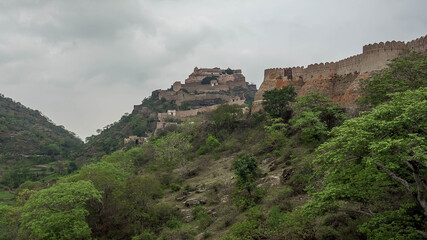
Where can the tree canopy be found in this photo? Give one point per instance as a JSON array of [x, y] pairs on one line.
[[368, 155], [407, 72], [277, 102], [59, 212]]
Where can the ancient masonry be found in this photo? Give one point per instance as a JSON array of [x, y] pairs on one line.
[[205, 89], [204, 84], [338, 80]]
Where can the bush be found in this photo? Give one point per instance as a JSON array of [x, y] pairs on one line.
[[175, 187], [202, 217], [207, 80], [145, 236], [211, 144], [184, 232]]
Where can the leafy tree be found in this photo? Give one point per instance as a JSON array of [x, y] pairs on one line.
[[315, 116], [108, 178], [276, 102], [247, 172], [276, 133], [407, 72], [171, 149], [9, 222], [226, 116], [211, 144], [134, 201], [59, 212], [369, 155]]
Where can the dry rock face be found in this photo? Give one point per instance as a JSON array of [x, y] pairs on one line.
[[338, 80]]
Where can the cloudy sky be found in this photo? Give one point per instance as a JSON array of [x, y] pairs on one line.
[[85, 63]]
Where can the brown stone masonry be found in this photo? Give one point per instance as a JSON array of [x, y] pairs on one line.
[[338, 80]]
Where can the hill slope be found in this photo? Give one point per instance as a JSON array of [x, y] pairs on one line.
[[27, 137]]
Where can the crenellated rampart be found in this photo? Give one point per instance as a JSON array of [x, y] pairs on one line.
[[417, 45], [318, 76]]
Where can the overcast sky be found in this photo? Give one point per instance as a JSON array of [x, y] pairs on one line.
[[85, 63]]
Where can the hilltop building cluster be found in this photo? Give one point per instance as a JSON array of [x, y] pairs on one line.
[[204, 90]]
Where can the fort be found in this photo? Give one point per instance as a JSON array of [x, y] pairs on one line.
[[204, 90], [337, 80], [212, 85]]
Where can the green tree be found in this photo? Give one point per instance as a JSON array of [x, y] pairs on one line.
[[108, 178], [59, 212], [407, 72], [277, 102], [9, 222], [315, 116], [368, 156], [247, 172], [170, 150], [211, 144], [226, 116]]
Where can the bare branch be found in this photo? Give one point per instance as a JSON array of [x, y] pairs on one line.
[[420, 186], [357, 211], [394, 176], [424, 234], [408, 164]]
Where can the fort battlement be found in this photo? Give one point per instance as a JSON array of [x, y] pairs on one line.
[[417, 45], [374, 57]]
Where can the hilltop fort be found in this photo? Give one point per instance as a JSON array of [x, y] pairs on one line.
[[338, 80], [204, 90]]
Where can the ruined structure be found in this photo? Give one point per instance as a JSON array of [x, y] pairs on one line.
[[207, 86], [135, 139], [338, 80], [203, 91]]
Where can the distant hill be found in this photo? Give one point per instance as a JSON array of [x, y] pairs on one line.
[[27, 137]]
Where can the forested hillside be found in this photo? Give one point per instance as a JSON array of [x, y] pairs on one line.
[[303, 169], [28, 138]]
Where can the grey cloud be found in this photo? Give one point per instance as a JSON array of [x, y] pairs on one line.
[[84, 63]]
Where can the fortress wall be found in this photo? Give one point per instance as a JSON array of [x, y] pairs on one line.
[[298, 72], [232, 80], [168, 95], [274, 74], [206, 88], [271, 76], [182, 115], [238, 81], [318, 76], [418, 45], [319, 71], [223, 79], [200, 97]]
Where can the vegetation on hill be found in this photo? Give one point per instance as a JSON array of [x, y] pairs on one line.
[[312, 173], [407, 72], [110, 138], [28, 138]]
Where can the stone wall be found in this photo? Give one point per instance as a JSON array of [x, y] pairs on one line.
[[338, 80], [184, 114]]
